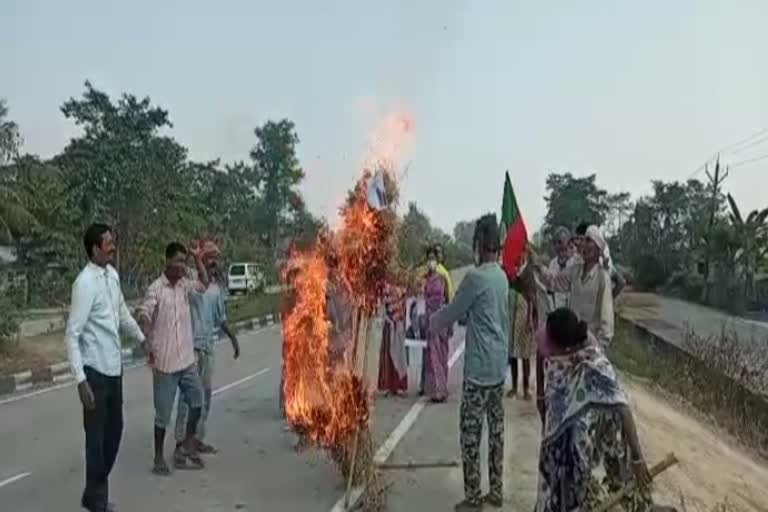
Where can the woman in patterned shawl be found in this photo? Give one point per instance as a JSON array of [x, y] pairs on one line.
[[588, 424]]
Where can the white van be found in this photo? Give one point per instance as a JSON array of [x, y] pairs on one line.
[[245, 278]]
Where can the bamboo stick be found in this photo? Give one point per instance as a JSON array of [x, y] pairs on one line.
[[351, 476], [613, 500], [419, 465]]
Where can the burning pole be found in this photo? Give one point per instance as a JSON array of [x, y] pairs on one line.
[[327, 401]]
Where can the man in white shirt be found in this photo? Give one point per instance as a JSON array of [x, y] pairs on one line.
[[97, 314], [563, 258], [617, 280]]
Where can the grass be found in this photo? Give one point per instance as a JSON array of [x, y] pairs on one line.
[[46, 349], [252, 306], [709, 374]]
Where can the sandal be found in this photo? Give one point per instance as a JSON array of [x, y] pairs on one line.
[[206, 448], [181, 457], [161, 468]]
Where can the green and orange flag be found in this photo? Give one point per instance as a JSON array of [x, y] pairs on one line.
[[514, 236]]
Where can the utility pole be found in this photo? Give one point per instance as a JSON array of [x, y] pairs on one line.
[[715, 182]]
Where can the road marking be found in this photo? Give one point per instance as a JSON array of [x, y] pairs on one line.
[[70, 382], [16, 478], [34, 393], [236, 383], [389, 445]]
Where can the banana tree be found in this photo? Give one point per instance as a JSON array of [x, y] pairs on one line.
[[752, 234]]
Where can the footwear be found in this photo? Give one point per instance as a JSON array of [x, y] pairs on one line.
[[187, 459], [206, 448], [109, 507], [527, 396], [494, 501], [468, 506], [512, 393], [161, 468]]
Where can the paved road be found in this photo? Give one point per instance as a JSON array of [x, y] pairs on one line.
[[673, 317], [41, 444], [256, 470]]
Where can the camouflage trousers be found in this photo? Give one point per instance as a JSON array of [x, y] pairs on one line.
[[480, 403]]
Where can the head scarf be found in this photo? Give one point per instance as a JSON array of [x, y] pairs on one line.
[[594, 234]]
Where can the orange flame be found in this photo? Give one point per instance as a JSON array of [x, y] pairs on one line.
[[328, 404]]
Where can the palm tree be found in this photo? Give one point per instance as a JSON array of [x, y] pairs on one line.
[[14, 217], [752, 235]]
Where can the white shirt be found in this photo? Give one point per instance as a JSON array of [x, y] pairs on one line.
[[559, 299], [96, 314]]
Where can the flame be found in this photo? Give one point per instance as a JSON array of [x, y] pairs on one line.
[[328, 402]]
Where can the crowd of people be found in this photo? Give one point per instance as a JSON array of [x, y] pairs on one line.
[[559, 315], [181, 319]]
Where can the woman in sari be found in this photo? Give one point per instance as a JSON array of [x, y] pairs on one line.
[[588, 424], [522, 318], [393, 375], [436, 354]]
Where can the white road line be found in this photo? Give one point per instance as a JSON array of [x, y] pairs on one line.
[[14, 479], [70, 382], [34, 393], [389, 445], [217, 391], [236, 383]]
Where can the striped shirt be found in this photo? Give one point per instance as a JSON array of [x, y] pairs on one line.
[[170, 338]]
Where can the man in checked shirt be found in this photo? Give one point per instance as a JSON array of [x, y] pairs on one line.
[[169, 345]]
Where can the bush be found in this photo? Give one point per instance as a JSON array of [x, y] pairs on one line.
[[686, 285], [722, 377], [649, 272], [10, 315]]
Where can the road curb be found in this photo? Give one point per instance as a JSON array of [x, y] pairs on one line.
[[60, 372]]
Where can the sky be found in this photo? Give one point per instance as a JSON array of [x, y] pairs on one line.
[[631, 91]]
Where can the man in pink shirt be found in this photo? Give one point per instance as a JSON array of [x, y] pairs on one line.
[[169, 345]]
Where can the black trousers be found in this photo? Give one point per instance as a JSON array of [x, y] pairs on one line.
[[103, 430]]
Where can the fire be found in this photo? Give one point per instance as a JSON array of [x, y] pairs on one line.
[[325, 400]]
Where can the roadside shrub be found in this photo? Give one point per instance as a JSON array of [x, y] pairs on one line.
[[10, 315], [721, 376]]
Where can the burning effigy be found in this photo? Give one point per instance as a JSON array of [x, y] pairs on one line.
[[337, 286]]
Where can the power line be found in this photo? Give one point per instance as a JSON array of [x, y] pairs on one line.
[[732, 148], [751, 144], [749, 161]]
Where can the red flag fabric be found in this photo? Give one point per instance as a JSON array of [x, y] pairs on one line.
[[514, 235]]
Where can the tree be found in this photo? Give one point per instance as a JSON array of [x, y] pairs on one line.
[[10, 140], [751, 234], [464, 232], [414, 235], [572, 200], [14, 217], [123, 172], [276, 174]]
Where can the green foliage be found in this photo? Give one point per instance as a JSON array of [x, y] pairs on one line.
[[10, 305], [276, 174], [667, 237], [124, 169], [572, 200], [751, 234], [10, 140], [416, 233]]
